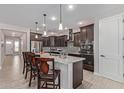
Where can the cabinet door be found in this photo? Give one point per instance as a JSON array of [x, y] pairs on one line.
[[83, 34], [61, 41], [77, 39], [57, 41], [44, 41], [90, 33]]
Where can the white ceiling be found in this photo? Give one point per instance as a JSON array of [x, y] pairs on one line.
[[25, 15]]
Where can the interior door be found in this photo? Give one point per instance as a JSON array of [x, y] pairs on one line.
[[110, 48], [17, 45], [9, 47], [13, 46]]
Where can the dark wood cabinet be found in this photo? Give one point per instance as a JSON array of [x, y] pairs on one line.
[[87, 33], [32, 36], [62, 41], [45, 41], [90, 33], [55, 41], [77, 74], [77, 39], [52, 41], [83, 33]]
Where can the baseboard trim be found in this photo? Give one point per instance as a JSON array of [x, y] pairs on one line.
[[98, 74]]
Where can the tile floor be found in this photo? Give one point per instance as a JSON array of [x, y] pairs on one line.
[[11, 77]]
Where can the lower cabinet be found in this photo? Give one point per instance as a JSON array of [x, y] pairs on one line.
[[88, 63], [77, 77]]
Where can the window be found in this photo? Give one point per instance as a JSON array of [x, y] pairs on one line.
[[16, 46]]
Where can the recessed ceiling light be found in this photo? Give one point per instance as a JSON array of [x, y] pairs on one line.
[[53, 18], [70, 7], [80, 23]]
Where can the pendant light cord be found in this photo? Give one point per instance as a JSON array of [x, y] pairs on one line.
[[60, 13], [44, 15], [36, 26]]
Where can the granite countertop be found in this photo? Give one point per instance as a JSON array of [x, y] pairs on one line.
[[67, 60]]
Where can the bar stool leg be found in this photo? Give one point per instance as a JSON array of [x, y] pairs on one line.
[[53, 84], [38, 83], [24, 68], [30, 78], [59, 81], [26, 73]]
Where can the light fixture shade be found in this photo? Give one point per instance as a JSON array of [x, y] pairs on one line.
[[44, 24], [60, 26], [36, 36], [44, 33]]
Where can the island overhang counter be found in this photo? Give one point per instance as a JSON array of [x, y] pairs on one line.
[[71, 70]]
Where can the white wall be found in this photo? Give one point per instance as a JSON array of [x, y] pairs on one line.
[[24, 42], [13, 28], [2, 53]]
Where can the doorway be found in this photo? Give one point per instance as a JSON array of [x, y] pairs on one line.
[[13, 46], [111, 48]]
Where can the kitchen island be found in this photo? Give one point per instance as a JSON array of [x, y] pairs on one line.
[[71, 70]]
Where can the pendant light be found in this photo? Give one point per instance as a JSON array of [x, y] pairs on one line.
[[60, 23], [44, 25], [36, 36]]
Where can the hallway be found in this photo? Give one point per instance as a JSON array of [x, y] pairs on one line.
[[11, 74]]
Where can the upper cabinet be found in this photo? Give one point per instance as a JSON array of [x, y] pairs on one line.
[[62, 41], [90, 33], [55, 41], [52, 41], [83, 34], [77, 39], [45, 41], [87, 33]]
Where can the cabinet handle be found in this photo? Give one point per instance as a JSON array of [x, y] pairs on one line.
[[102, 55]]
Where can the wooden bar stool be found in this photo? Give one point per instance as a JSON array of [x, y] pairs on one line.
[[47, 76], [33, 67], [26, 66], [24, 60]]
